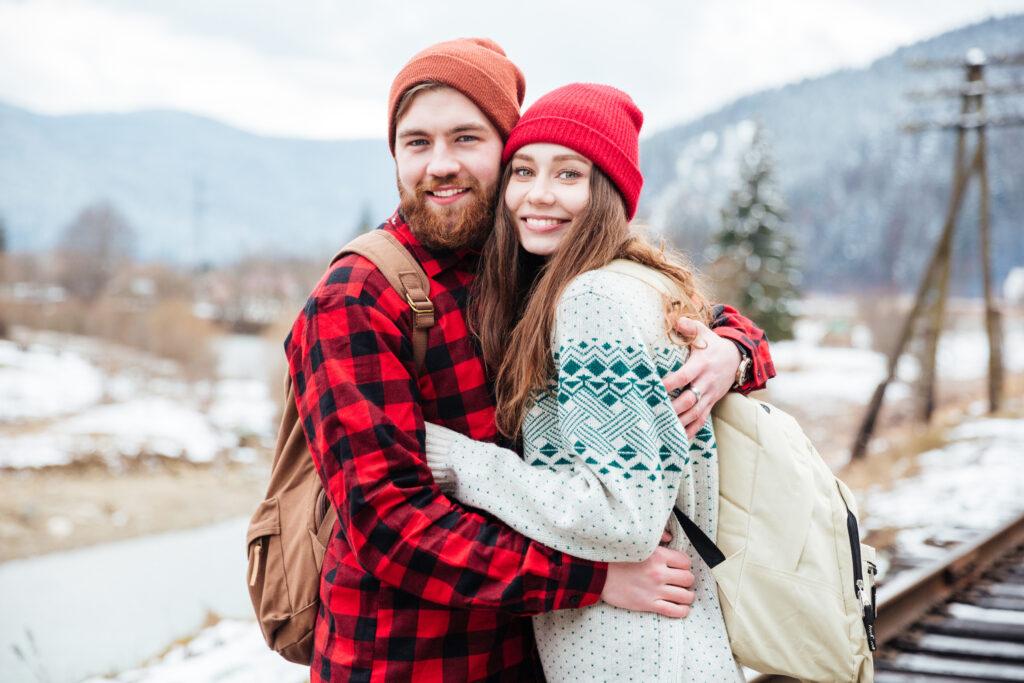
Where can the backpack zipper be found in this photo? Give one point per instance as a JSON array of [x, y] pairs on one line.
[[867, 603], [256, 547]]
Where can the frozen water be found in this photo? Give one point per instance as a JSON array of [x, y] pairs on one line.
[[113, 606]]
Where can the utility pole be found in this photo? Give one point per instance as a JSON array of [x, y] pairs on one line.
[[933, 289]]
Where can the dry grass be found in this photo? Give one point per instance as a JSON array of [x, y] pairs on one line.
[[165, 328], [53, 509]]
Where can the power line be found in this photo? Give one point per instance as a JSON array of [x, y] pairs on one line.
[[933, 289]]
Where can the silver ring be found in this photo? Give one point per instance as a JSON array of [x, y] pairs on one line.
[[696, 392]]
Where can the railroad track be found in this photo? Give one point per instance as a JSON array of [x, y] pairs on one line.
[[959, 620]]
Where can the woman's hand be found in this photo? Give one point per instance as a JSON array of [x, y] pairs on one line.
[[658, 584], [710, 369]]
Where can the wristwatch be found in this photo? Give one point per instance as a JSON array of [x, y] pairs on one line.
[[743, 371]]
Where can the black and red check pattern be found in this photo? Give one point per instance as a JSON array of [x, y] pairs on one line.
[[728, 323], [414, 586]]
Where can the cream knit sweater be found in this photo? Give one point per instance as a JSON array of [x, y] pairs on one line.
[[605, 460]]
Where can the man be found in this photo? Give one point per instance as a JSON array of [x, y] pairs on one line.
[[414, 586]]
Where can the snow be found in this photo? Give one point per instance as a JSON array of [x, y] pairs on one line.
[[816, 377], [242, 407], [144, 408], [963, 354], [1013, 286], [150, 425], [40, 382], [230, 651], [969, 486]]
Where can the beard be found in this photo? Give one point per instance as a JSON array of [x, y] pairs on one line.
[[467, 223]]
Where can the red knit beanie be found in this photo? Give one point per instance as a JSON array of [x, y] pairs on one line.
[[600, 122], [477, 68]]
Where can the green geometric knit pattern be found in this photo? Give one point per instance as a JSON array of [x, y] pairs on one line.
[[610, 408]]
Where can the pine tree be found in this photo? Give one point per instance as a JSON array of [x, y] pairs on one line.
[[754, 250]]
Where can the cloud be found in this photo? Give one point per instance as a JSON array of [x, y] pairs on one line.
[[321, 68], [64, 57]]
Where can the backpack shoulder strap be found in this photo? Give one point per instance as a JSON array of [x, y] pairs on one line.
[[405, 275], [648, 276]]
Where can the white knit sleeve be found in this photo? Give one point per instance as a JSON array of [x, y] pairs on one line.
[[617, 479]]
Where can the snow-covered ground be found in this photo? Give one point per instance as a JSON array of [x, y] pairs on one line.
[[818, 378], [959, 491], [231, 651], [969, 486], [58, 405], [40, 381]]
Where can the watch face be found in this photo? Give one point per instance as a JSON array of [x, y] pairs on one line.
[[743, 371]]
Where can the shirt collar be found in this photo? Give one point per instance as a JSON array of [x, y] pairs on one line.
[[433, 261]]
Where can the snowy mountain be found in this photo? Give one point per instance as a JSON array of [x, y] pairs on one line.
[[194, 189], [865, 199]]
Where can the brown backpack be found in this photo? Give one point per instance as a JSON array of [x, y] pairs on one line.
[[290, 530]]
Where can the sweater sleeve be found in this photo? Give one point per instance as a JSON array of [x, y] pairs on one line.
[[610, 494]]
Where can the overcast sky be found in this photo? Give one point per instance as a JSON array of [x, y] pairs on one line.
[[321, 68]]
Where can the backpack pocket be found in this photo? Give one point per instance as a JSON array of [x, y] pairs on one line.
[[780, 622], [267, 583]]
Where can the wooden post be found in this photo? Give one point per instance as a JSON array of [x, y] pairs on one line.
[[970, 103], [867, 426], [972, 117], [992, 319]]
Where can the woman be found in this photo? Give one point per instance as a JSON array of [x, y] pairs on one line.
[[581, 343]]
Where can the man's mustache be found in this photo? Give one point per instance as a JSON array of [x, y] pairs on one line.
[[434, 184]]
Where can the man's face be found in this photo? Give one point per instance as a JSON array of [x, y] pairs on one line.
[[448, 156]]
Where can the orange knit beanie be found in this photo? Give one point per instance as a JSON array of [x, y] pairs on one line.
[[477, 68]]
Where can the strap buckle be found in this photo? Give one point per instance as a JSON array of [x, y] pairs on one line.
[[424, 307]]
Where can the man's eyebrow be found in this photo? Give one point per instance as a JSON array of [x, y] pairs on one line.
[[461, 128], [468, 128], [410, 133]]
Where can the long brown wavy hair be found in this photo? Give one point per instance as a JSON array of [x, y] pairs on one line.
[[516, 293]]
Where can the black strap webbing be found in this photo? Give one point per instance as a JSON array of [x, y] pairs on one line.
[[704, 546]]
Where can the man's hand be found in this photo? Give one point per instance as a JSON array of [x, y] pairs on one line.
[[710, 369], [658, 584]]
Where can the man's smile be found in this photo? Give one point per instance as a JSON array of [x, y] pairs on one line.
[[447, 195]]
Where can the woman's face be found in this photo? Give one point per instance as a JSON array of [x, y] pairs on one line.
[[548, 188]]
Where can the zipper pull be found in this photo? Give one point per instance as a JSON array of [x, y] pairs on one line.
[[868, 613], [256, 562], [862, 594]]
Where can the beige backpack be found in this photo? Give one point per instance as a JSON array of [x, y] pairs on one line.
[[289, 532], [795, 583]]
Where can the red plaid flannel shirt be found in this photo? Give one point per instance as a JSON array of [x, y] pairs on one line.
[[415, 586]]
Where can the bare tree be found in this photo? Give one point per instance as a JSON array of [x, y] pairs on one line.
[[92, 247]]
